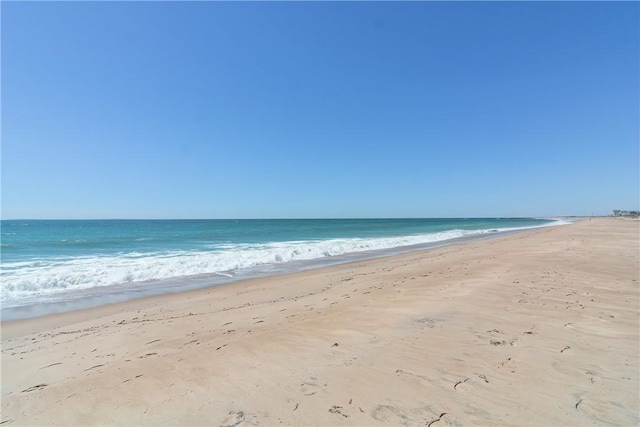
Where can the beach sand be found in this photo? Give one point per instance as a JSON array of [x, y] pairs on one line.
[[535, 328]]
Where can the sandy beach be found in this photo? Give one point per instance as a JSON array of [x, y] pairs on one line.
[[535, 328]]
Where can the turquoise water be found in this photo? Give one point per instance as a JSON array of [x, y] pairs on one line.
[[46, 261]]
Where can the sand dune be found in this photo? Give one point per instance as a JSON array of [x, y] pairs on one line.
[[535, 328]]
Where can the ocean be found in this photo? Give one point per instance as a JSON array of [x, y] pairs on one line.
[[47, 265]]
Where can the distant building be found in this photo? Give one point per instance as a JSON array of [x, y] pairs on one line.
[[625, 213]]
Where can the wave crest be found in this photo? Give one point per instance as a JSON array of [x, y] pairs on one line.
[[26, 279]]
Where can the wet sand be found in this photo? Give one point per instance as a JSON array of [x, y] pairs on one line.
[[535, 328]]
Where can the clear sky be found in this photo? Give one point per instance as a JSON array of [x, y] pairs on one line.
[[287, 109]]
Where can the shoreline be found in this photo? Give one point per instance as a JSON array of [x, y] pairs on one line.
[[534, 328], [83, 311], [114, 294]]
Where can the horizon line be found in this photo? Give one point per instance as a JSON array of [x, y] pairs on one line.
[[300, 218]]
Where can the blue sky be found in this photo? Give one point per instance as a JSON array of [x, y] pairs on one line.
[[265, 110]]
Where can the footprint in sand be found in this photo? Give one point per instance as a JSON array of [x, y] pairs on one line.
[[309, 388], [338, 410], [509, 364], [392, 415], [593, 377], [233, 419], [426, 322], [598, 409], [461, 385], [435, 420]]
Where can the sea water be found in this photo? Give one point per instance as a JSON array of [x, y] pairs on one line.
[[52, 262]]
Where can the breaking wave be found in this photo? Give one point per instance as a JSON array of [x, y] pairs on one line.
[[26, 279]]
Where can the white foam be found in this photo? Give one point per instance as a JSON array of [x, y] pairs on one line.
[[27, 279]]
